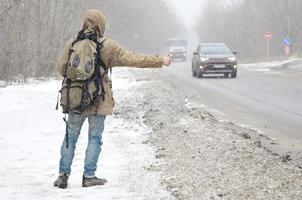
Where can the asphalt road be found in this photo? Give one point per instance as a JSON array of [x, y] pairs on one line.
[[267, 101]]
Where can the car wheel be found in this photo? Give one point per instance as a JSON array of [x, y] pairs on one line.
[[200, 75], [193, 71], [234, 75]]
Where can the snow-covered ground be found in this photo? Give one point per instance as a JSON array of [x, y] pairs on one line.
[[31, 133], [159, 145], [291, 63], [203, 158]]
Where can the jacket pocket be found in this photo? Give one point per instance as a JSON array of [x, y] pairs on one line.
[[108, 103]]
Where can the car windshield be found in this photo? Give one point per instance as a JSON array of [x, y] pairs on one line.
[[177, 48], [177, 43], [214, 49]]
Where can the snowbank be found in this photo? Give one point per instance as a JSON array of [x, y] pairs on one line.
[[292, 63], [289, 64], [31, 133]]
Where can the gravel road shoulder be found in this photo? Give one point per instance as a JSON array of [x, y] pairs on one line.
[[201, 158]]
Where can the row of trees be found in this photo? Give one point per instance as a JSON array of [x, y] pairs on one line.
[[242, 23], [34, 31]]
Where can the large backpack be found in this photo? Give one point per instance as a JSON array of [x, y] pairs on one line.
[[82, 86]]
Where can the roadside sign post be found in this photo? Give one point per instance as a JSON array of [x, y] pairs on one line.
[[267, 49], [268, 37], [287, 50], [287, 42]]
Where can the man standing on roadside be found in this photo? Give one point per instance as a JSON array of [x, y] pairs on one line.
[[110, 55]]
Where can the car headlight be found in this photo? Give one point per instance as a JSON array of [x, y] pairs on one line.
[[235, 66], [204, 59], [232, 58]]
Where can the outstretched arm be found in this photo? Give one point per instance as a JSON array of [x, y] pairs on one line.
[[120, 56]]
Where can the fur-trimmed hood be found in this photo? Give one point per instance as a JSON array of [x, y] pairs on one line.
[[94, 21]]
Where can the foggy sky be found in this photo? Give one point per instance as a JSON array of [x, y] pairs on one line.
[[187, 10]]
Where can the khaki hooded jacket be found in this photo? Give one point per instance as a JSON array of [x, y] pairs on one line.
[[112, 55]]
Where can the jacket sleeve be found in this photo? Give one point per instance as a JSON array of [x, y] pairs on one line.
[[63, 58], [119, 56]]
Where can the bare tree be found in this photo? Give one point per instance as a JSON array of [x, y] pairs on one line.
[[242, 23], [34, 31]]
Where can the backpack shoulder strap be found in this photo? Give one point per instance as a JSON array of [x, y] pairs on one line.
[[99, 47], [78, 37], [102, 40]]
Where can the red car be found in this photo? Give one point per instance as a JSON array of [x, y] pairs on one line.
[[214, 58]]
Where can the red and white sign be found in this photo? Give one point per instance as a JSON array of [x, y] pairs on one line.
[[268, 35], [287, 50]]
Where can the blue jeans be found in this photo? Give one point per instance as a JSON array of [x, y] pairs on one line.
[[96, 128]]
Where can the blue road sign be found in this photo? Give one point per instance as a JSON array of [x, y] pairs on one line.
[[287, 41]]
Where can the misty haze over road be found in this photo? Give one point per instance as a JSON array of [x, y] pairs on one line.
[[188, 11]]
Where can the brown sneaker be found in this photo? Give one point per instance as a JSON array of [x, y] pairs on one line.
[[93, 181], [61, 182]]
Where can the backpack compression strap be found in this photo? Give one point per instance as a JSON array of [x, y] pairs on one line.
[[98, 78]]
